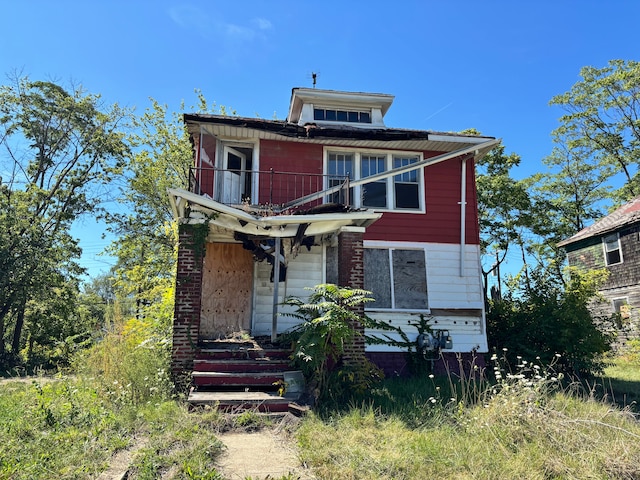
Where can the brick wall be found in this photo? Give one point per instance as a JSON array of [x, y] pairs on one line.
[[186, 320], [351, 274]]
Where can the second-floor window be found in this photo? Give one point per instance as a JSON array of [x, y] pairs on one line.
[[401, 192], [612, 250]]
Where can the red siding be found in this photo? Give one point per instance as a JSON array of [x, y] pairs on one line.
[[441, 223], [304, 159], [205, 175]]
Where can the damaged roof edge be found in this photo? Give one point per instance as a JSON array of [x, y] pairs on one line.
[[292, 130]]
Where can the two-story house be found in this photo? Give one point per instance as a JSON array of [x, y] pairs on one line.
[[613, 243], [329, 195]]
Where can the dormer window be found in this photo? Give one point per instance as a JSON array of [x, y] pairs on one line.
[[345, 116], [330, 107]]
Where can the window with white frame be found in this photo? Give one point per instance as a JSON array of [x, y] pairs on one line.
[[396, 277], [404, 191], [406, 187], [621, 307], [612, 250], [338, 115]]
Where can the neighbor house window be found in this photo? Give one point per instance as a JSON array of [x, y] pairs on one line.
[[612, 250], [404, 191], [621, 307], [396, 277]]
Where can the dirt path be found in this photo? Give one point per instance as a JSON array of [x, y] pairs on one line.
[[259, 455]]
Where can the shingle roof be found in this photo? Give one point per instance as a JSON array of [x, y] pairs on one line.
[[625, 215]]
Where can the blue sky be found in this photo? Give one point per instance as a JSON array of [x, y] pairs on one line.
[[491, 65]]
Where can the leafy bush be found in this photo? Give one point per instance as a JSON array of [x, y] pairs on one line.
[[547, 319], [328, 317]]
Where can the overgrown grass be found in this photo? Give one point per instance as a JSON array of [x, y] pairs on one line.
[[528, 424], [525, 428], [65, 429]]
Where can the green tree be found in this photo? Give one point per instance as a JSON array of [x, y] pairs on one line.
[[503, 206], [146, 234], [601, 126], [58, 148]]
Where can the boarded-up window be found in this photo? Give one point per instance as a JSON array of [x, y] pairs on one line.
[[396, 277], [332, 265], [377, 276]]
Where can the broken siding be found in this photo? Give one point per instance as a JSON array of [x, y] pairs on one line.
[[467, 330], [303, 271]]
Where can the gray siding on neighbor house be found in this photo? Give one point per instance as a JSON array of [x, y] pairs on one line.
[[623, 281], [589, 255]]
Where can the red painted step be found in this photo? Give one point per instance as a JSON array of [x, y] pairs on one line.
[[227, 365], [235, 379], [243, 353]]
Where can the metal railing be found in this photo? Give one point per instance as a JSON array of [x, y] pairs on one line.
[[275, 190]]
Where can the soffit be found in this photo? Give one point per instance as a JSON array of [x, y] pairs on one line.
[[412, 140]]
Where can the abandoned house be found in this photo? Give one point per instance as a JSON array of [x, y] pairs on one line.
[[329, 195], [613, 243]]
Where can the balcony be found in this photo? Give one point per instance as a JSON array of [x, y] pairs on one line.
[[272, 191]]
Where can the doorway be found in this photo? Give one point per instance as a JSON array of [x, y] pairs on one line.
[[235, 186]]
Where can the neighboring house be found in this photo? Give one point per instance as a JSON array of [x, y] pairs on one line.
[[331, 195], [613, 242]]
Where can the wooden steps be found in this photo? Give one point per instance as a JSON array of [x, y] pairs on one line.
[[238, 376]]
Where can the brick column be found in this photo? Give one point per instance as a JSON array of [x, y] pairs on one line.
[[186, 320], [351, 274]]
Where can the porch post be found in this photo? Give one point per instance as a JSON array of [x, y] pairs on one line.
[[351, 274], [188, 296], [276, 284]]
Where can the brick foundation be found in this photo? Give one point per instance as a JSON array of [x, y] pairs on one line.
[[186, 321], [394, 364]]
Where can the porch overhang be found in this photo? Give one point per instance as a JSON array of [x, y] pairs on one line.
[[203, 209]]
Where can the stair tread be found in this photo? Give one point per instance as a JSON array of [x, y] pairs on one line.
[[237, 374], [226, 397], [240, 361]]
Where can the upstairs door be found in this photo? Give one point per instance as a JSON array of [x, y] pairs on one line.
[[234, 176]]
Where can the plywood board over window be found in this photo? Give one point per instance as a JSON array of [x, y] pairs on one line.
[[226, 290], [409, 279], [396, 277]]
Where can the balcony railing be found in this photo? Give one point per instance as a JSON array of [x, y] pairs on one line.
[[277, 191]]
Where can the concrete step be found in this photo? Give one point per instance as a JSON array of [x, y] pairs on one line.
[[238, 401]]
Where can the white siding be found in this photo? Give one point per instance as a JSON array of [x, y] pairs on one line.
[[446, 289], [467, 332], [306, 270], [445, 286]]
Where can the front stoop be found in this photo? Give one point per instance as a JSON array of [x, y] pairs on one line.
[[238, 376]]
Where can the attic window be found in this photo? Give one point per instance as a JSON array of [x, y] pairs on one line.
[[348, 116], [612, 251]]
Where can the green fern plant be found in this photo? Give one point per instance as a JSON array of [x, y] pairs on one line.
[[327, 318]]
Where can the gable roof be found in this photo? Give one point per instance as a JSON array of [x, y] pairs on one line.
[[627, 214]]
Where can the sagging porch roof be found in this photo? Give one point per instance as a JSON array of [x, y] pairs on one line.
[[204, 209]]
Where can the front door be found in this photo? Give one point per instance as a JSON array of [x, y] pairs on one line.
[[234, 176], [227, 283]]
